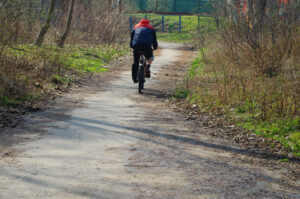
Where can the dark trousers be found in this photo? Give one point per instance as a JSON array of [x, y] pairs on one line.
[[135, 65], [148, 53]]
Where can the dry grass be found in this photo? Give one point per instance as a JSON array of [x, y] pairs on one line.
[[252, 71], [261, 78], [256, 68]]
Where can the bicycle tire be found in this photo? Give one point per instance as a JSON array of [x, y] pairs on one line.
[[141, 77]]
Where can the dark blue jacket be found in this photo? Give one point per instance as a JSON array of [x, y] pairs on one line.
[[143, 35]]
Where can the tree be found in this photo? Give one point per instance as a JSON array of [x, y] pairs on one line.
[[110, 2], [120, 2], [67, 30], [250, 8], [261, 7], [46, 25]]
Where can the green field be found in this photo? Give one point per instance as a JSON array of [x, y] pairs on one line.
[[190, 26]]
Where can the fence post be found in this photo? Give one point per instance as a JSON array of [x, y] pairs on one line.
[[179, 23], [163, 23], [130, 23]]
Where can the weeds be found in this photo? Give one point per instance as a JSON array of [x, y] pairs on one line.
[[251, 72]]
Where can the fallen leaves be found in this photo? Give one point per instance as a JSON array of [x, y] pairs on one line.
[[220, 127]]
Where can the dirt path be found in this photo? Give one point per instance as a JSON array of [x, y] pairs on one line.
[[118, 144]]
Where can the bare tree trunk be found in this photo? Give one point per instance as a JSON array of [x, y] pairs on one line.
[[46, 25], [120, 6], [250, 8], [67, 30], [261, 6], [17, 24], [110, 3]]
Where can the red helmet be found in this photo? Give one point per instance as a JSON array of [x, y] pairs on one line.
[[144, 23]]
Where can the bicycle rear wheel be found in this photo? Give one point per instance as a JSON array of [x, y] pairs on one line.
[[141, 77]]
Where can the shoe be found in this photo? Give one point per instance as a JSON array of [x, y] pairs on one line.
[[135, 81], [148, 72]]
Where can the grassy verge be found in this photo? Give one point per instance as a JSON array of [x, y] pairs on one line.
[[176, 37], [82, 58], [30, 72], [201, 88], [285, 131]]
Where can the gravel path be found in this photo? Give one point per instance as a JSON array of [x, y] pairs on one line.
[[114, 143]]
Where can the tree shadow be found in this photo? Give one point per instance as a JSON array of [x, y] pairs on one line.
[[183, 139], [84, 123], [153, 93]]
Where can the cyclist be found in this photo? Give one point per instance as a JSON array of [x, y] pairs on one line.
[[143, 37]]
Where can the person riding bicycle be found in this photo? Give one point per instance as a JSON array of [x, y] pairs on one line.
[[143, 37]]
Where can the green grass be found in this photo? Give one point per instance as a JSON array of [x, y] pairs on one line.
[[59, 79], [85, 60], [284, 160], [196, 67], [82, 58], [189, 31], [181, 93], [189, 22], [177, 37], [8, 101], [285, 131]]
